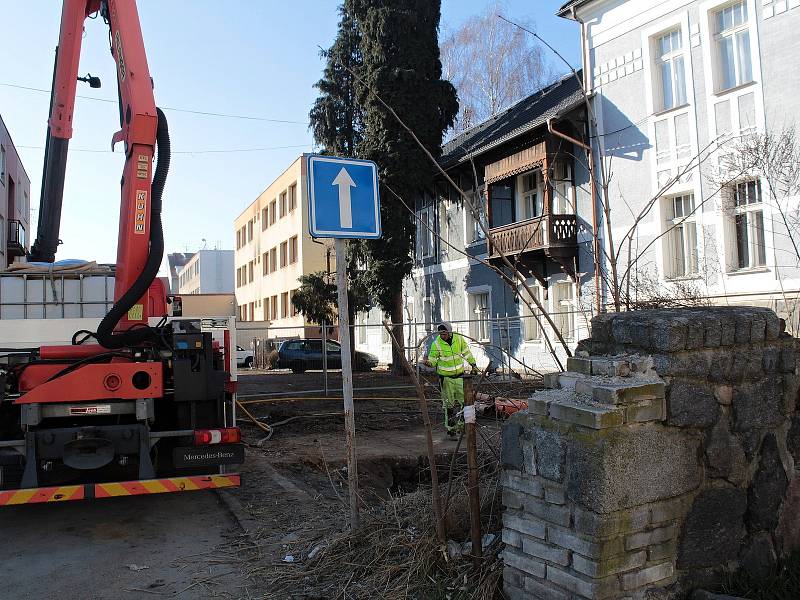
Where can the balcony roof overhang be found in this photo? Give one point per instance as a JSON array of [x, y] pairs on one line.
[[517, 163]]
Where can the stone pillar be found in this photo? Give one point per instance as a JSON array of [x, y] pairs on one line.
[[665, 453]]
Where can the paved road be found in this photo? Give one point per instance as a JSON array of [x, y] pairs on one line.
[[83, 550]]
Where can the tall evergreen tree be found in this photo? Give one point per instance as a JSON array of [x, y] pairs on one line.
[[401, 64], [336, 117], [337, 124]]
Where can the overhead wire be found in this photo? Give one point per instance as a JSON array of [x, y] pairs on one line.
[[170, 108], [209, 151]]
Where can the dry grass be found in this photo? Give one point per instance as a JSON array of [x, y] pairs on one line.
[[395, 555]]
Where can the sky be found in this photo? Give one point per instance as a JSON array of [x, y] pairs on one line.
[[250, 58]]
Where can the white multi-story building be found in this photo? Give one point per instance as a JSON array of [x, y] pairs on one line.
[[679, 88], [273, 249], [207, 272]]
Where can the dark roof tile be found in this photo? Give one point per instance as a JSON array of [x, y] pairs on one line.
[[524, 116]]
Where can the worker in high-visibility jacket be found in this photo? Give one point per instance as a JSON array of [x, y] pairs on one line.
[[447, 355]]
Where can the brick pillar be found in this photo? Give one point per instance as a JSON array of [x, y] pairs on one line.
[[663, 455]]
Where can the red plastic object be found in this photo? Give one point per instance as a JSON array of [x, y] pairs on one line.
[[207, 437], [70, 352], [137, 380]]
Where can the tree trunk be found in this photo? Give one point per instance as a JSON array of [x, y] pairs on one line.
[[397, 330]]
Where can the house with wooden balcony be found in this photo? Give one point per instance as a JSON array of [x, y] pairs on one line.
[[525, 181]]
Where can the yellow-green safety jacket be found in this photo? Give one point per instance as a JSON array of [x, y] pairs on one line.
[[449, 358]]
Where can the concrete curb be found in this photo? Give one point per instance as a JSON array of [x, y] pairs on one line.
[[239, 513]]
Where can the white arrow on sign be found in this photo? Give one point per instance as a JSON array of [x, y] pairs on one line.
[[345, 182]]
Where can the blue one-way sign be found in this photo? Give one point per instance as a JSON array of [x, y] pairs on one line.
[[343, 197]]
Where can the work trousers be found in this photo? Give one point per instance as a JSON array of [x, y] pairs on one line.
[[452, 403]]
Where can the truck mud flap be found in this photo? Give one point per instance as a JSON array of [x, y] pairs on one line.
[[115, 489]]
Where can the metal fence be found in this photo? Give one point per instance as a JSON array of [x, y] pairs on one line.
[[511, 344]]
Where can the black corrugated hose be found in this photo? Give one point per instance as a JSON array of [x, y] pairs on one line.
[[138, 335]]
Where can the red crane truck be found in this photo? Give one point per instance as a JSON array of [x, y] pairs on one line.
[[146, 403]]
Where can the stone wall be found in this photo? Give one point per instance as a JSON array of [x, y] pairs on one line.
[[665, 454]]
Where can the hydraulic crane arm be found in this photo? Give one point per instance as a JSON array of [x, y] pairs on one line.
[[59, 127], [143, 127]]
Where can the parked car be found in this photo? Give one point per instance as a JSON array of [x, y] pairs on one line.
[[244, 358], [302, 355]]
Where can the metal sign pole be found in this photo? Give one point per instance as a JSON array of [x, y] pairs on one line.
[[347, 381], [344, 203], [325, 355]]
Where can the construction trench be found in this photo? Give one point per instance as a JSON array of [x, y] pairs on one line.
[[293, 504]]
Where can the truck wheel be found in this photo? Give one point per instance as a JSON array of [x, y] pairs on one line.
[[248, 362], [297, 367]]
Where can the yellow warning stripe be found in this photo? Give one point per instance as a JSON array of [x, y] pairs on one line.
[[22, 496], [114, 489], [34, 495], [123, 488], [154, 486]]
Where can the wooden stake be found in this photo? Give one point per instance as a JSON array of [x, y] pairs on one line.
[[472, 464]]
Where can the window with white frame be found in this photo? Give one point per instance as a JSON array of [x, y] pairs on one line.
[[531, 330], [479, 324], [531, 189], [670, 70], [683, 143], [425, 232], [563, 309], [680, 242], [748, 225], [474, 231], [673, 140], [563, 193], [663, 143], [732, 46], [2, 165]]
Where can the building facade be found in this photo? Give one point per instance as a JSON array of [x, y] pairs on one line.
[[686, 95], [175, 262], [207, 272], [15, 203], [273, 249], [528, 184]]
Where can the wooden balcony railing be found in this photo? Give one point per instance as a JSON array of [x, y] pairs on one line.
[[539, 233]]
